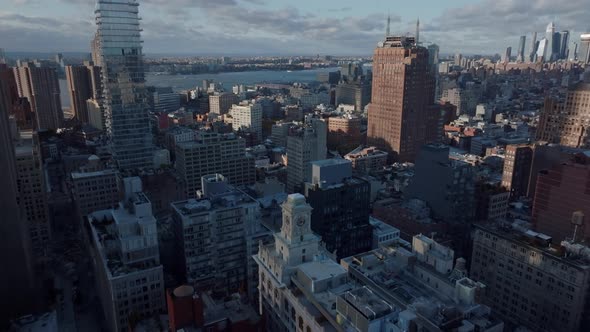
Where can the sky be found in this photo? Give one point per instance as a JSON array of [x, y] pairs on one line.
[[289, 27]]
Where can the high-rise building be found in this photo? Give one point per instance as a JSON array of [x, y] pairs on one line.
[[247, 117], [340, 205], [41, 87], [123, 77], [533, 50], [32, 192], [125, 253], [566, 123], [564, 45], [448, 186], [507, 54], [305, 143], [532, 280], [402, 115], [95, 52], [16, 257], [80, 90], [542, 50], [213, 153], [2, 56], [517, 169], [584, 48], [19, 107], [220, 103], [212, 235], [551, 42], [561, 207], [521, 44], [457, 59]]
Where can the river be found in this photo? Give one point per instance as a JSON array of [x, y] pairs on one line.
[[185, 82]]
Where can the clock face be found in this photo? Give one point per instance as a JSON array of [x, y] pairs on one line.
[[300, 221]]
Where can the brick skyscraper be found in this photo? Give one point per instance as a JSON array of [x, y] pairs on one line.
[[84, 83], [402, 114]]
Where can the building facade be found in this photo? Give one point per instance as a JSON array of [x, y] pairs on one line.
[[220, 103], [84, 83], [41, 88], [561, 205], [517, 169], [367, 160], [125, 98], [32, 192], [95, 190], [530, 281], [401, 116], [305, 143], [340, 205], [211, 234], [247, 117], [213, 153], [566, 123], [125, 252], [344, 133]]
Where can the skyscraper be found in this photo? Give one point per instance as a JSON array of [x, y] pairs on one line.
[[563, 48], [507, 54], [121, 58], [41, 88], [79, 88], [305, 144], [402, 115], [584, 49], [16, 279], [534, 45], [550, 44], [521, 44]]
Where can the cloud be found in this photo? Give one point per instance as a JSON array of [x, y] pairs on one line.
[[490, 26], [252, 26]]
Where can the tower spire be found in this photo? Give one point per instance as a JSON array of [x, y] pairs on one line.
[[418, 31], [388, 31]]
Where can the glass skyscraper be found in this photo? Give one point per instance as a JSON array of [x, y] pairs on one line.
[[125, 98]]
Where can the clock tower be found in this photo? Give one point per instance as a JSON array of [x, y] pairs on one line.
[[296, 242]]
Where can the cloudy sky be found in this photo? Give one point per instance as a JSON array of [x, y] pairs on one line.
[[243, 27]]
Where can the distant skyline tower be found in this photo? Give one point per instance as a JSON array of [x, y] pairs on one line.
[[123, 77], [402, 115], [563, 48], [584, 48], [507, 54], [418, 31], [534, 45], [2, 56], [550, 44], [521, 45]]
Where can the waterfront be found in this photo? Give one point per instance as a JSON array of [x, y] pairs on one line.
[[185, 82]]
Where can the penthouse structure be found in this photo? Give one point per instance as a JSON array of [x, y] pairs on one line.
[[216, 235], [124, 248], [367, 159], [213, 153], [532, 280]]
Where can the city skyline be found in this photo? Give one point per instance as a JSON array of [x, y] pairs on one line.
[[261, 27]]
